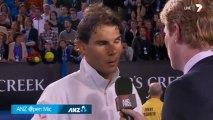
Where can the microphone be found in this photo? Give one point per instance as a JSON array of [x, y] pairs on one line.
[[125, 99]]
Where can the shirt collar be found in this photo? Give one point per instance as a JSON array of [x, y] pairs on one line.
[[195, 59], [90, 72], [154, 99]]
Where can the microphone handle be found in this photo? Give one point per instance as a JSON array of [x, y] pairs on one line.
[[128, 117]]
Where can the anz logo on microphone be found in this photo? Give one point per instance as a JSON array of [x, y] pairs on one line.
[[126, 103]]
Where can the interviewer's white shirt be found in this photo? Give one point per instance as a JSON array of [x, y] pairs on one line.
[[85, 86], [195, 59]]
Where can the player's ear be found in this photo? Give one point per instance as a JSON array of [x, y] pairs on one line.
[[80, 46]]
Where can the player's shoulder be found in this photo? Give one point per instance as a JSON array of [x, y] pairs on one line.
[[65, 82]]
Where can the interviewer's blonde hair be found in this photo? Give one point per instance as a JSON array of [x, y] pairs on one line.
[[196, 27]]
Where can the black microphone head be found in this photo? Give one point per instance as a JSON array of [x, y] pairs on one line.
[[123, 86]]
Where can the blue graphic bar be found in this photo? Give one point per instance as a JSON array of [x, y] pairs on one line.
[[51, 109]]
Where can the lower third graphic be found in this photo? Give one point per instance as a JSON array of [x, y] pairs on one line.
[[51, 109]]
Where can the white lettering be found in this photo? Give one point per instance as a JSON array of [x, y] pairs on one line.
[[162, 81], [36, 109], [187, 8], [38, 85], [10, 84], [4, 82], [29, 84], [139, 81], [22, 109], [47, 109], [20, 84], [170, 79], [126, 103], [199, 6], [74, 110], [165, 81], [149, 80]]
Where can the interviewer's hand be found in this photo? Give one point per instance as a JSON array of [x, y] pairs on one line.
[[134, 114]]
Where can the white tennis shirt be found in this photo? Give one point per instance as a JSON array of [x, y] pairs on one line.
[[85, 86]]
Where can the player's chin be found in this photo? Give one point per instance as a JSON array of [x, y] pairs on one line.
[[111, 68]]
